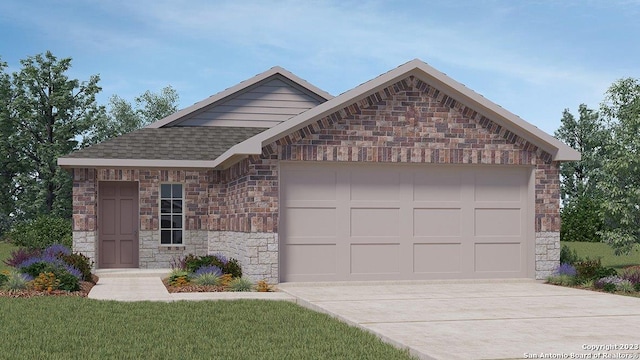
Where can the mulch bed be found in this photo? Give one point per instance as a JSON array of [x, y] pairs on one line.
[[85, 287], [191, 288]]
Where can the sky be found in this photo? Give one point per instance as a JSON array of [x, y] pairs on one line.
[[532, 57]]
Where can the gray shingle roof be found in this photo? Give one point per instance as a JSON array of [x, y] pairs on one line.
[[173, 143]]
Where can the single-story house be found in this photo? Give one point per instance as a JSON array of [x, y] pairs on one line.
[[410, 175]]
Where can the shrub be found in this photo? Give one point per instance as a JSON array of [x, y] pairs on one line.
[[16, 281], [179, 278], [228, 266], [631, 273], [592, 270], [41, 232], [81, 263], [69, 281], [568, 256], [263, 286], [240, 284], [625, 286], [581, 220], [46, 281], [19, 256], [608, 283], [4, 275], [225, 279], [232, 267], [207, 279]]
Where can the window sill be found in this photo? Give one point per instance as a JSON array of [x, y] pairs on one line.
[[172, 247]]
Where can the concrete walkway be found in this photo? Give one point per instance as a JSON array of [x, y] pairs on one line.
[[517, 319], [146, 285]]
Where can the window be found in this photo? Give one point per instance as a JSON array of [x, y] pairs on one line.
[[171, 214]]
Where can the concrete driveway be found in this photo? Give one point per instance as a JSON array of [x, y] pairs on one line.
[[508, 319]]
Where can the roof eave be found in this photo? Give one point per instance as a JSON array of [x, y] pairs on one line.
[[69, 163]]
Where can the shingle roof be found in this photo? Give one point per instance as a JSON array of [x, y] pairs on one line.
[[174, 143]]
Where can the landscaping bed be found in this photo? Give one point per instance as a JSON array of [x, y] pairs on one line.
[[53, 271], [210, 273], [590, 274]]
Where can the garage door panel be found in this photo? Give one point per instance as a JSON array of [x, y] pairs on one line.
[[375, 222], [375, 184], [314, 222], [316, 259], [437, 186], [429, 258], [437, 222], [375, 258], [499, 185], [311, 184], [498, 222], [498, 257]]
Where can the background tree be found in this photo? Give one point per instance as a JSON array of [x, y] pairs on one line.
[[581, 212], [123, 117], [47, 114], [9, 166], [621, 170]]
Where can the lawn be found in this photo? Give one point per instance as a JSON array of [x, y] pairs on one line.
[[605, 253], [5, 251], [70, 328]]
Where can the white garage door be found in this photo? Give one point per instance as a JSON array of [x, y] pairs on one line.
[[388, 222]]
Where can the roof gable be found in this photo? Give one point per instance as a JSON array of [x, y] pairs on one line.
[[454, 90], [264, 100]]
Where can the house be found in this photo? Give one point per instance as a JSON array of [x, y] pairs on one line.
[[410, 175]]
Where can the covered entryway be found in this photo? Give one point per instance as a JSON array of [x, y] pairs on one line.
[[389, 222], [118, 224]]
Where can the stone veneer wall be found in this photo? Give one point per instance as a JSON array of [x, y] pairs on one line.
[[256, 251]]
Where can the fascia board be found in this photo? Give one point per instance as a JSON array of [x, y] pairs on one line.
[[129, 163]]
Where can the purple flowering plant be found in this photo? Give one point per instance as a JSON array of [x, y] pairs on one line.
[[566, 269]]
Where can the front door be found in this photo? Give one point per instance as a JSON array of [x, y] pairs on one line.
[[118, 224]]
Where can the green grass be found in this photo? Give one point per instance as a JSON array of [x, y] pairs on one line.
[[5, 251], [79, 328], [603, 251]]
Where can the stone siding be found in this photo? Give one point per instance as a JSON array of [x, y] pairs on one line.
[[155, 256], [256, 252], [547, 254], [85, 243]]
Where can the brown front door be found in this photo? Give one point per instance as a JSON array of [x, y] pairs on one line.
[[118, 224]]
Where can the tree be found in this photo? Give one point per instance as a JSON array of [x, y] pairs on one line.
[[8, 161], [46, 113], [621, 171], [122, 117], [581, 213]]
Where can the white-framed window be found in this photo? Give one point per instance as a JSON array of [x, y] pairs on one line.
[[171, 214]]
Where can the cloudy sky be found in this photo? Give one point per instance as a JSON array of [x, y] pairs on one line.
[[532, 57]]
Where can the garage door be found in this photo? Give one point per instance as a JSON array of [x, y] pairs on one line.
[[388, 222]]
